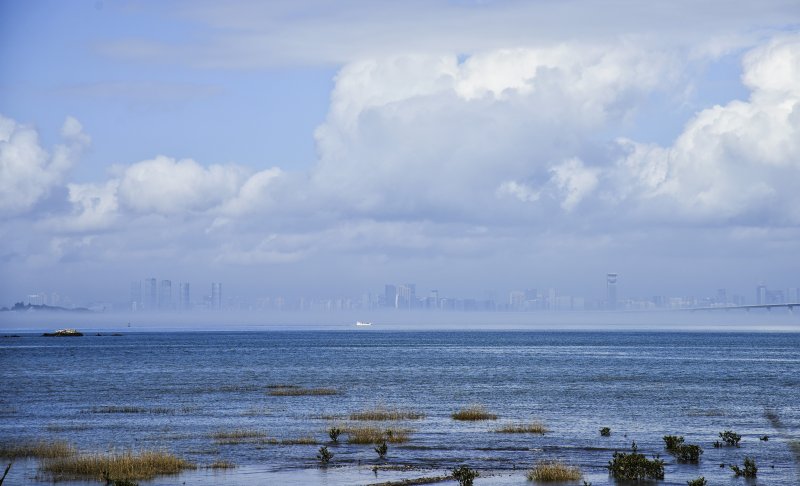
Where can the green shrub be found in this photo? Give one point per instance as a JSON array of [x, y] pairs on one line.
[[605, 432], [672, 441], [382, 450], [730, 438], [764, 438], [324, 455], [635, 466], [464, 475], [688, 452], [701, 481], [333, 433], [749, 470]]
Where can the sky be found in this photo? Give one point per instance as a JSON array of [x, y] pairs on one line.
[[327, 148]]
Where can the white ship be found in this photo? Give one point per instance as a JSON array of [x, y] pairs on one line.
[[362, 323]]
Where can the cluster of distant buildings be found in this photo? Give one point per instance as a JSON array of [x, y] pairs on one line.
[[153, 295]]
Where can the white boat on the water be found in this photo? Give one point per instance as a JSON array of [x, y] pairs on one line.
[[362, 323]]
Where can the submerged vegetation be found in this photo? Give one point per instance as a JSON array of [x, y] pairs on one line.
[[730, 438], [605, 432], [530, 428], [324, 455], [554, 471], [473, 412], [297, 391], [127, 465], [701, 481]]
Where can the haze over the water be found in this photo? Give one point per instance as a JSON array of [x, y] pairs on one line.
[[303, 148]]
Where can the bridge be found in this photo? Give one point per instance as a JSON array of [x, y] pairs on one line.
[[769, 307]]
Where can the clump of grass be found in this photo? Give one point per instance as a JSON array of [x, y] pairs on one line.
[[382, 414], [554, 471], [749, 470], [221, 464], [635, 466], [296, 391], [40, 449], [128, 465], [375, 435], [237, 436], [530, 428], [473, 412]]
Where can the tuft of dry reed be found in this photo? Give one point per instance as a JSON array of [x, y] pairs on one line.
[[237, 436], [221, 464], [384, 414], [552, 471], [473, 412], [375, 435], [296, 441], [129, 409], [296, 391], [41, 449], [127, 465], [522, 428]]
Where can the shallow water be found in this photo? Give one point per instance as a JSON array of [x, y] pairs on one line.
[[180, 388]]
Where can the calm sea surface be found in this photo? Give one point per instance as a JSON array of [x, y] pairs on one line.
[[173, 391]]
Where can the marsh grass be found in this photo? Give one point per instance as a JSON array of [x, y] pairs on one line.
[[256, 412], [237, 436], [67, 427], [473, 412], [127, 465], [378, 414], [39, 449], [375, 435], [221, 464], [307, 440], [296, 391], [522, 428], [129, 409], [554, 471]]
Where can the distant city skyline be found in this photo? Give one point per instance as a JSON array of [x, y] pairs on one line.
[[290, 150]]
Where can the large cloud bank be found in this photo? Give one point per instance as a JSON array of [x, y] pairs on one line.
[[445, 155]]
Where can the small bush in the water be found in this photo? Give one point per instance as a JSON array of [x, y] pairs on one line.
[[672, 441], [382, 450], [730, 438], [605, 432], [324, 455], [749, 470], [764, 438], [683, 452], [635, 466], [333, 433], [701, 481], [464, 475]]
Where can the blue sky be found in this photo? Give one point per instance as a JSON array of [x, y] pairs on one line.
[[323, 148]]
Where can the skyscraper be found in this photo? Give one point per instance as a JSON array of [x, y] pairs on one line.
[[150, 295], [761, 295], [389, 295], [216, 295], [611, 291], [136, 303], [165, 295], [184, 299]]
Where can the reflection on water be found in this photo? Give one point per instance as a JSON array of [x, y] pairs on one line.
[[180, 391]]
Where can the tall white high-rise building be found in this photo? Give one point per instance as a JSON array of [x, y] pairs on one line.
[[611, 291], [216, 295]]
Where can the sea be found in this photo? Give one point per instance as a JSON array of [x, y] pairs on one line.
[[180, 392]]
